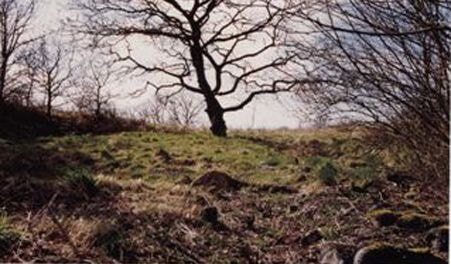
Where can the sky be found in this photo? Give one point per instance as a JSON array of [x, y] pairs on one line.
[[265, 112]]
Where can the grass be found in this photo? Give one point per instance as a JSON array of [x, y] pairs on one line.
[[121, 196], [135, 154], [8, 234]]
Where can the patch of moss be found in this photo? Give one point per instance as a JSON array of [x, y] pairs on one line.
[[386, 253], [417, 222], [383, 217]]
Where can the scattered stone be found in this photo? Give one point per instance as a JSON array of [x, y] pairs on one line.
[[337, 254], [311, 238], [417, 222], [438, 238], [219, 181], [210, 215], [383, 217], [385, 254]]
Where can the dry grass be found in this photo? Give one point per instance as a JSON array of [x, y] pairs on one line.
[[143, 213]]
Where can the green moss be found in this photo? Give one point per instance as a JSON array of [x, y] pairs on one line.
[[385, 253], [383, 217], [417, 222]]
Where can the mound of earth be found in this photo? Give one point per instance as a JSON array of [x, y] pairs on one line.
[[219, 181]]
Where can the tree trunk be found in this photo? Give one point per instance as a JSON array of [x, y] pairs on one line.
[[49, 106], [216, 115], [2, 82]]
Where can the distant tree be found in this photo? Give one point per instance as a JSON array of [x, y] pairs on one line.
[[154, 111], [94, 91], [184, 111], [179, 110], [27, 83], [53, 68], [214, 48], [15, 19]]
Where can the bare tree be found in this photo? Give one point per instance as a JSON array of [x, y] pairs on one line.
[[27, 83], [154, 111], [385, 61], [15, 19], [179, 110], [94, 94], [184, 111], [214, 48], [53, 71]]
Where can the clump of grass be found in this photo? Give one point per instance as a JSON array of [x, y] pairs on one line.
[[82, 181], [8, 235], [329, 233], [273, 161], [327, 174], [106, 154], [324, 169], [368, 170]]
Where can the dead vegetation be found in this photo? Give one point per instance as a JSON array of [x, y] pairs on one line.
[[87, 211]]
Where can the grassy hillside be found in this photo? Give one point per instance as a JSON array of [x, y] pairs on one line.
[[137, 197]]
